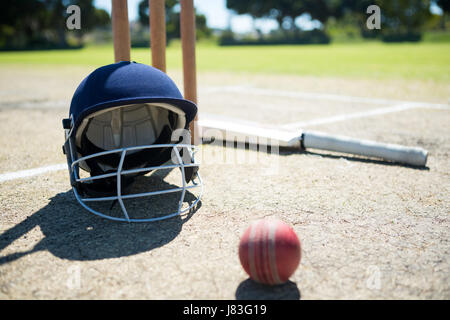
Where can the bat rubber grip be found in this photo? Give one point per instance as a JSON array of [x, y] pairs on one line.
[[392, 152]]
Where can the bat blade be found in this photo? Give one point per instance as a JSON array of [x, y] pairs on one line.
[[227, 129]]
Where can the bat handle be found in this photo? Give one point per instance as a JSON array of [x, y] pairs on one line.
[[392, 152]]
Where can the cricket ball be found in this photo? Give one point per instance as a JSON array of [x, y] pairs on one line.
[[269, 251]]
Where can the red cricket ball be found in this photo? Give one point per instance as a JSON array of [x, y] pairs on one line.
[[269, 251]]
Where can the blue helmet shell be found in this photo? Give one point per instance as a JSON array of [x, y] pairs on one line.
[[125, 83]]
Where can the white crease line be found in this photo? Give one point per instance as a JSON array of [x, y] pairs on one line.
[[314, 96], [31, 172], [370, 113], [248, 90], [243, 89]]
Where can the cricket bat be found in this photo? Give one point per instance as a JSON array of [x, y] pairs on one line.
[[215, 128]]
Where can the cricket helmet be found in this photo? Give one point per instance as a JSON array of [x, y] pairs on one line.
[[127, 120]]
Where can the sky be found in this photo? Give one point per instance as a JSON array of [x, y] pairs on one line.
[[217, 15]]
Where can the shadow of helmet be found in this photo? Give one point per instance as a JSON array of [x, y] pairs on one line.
[[71, 232]]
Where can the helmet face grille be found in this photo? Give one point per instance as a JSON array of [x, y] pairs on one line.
[[118, 186]]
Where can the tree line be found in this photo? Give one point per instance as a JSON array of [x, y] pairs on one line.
[[41, 24], [399, 18]]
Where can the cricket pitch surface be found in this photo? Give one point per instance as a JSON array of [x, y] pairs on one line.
[[369, 229]]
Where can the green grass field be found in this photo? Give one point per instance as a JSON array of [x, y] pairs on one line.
[[374, 60]]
